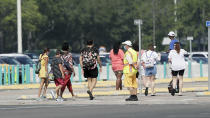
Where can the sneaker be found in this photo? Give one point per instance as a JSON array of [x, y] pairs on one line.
[[39, 99], [132, 98], [90, 95], [59, 99], [43, 97], [135, 98], [52, 94], [128, 99], [173, 92], [146, 91], [74, 97]]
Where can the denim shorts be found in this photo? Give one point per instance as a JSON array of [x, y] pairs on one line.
[[151, 71]]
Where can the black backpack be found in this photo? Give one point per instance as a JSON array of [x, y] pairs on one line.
[[170, 86]]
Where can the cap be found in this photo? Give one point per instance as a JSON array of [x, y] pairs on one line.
[[171, 33], [127, 43]]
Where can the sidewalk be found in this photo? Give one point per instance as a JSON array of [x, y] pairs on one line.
[[101, 84], [113, 93]]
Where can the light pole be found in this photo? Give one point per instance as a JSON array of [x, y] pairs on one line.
[[19, 27], [139, 23], [208, 25]]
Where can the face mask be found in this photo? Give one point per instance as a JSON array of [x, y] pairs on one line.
[[124, 47]]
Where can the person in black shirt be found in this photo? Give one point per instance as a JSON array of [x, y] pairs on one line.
[[89, 59]]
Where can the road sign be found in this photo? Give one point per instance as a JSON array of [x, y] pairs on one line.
[[207, 23], [190, 38]]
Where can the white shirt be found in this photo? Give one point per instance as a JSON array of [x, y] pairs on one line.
[[150, 54], [177, 60]]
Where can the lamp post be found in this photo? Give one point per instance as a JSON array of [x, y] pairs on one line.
[[19, 27], [208, 25], [139, 23]]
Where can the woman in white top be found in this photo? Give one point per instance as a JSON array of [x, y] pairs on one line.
[[149, 59], [176, 58]]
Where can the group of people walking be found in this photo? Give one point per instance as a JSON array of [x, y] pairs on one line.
[[124, 61]]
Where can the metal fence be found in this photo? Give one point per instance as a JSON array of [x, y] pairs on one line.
[[24, 74]]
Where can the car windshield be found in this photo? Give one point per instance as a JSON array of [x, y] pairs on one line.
[[24, 60], [10, 61]]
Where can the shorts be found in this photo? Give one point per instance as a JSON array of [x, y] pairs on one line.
[[91, 73], [151, 71], [180, 72], [130, 80], [59, 81]]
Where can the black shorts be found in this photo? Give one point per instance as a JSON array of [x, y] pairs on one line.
[[91, 73], [180, 72]]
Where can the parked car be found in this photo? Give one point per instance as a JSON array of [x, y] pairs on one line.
[[163, 57], [104, 57], [75, 58], [33, 56], [21, 58], [198, 54], [9, 61], [199, 59]]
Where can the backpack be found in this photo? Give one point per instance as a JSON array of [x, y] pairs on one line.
[[88, 59], [38, 66], [149, 61], [66, 64], [170, 86]]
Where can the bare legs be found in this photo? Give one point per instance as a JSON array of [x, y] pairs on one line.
[[118, 81], [43, 81], [180, 83], [91, 83], [150, 82], [133, 91], [58, 90]]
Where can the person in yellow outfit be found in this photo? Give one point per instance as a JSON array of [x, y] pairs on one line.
[[129, 70], [43, 73]]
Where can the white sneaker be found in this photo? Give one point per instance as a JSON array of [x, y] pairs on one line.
[[59, 99], [53, 94]]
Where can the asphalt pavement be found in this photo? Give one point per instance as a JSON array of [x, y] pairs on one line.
[[106, 111]]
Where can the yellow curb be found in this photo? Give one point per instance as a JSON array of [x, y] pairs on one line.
[[99, 84], [126, 92]]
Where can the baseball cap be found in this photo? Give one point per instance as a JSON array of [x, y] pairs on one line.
[[127, 43], [171, 33]]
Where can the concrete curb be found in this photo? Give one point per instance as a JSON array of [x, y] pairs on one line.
[[203, 93], [99, 84], [113, 93]]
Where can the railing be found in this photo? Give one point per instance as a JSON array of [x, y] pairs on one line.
[[24, 74]]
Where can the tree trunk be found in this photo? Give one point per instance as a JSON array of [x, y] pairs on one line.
[[29, 41]]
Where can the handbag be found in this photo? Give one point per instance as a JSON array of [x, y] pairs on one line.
[[170, 86], [51, 76], [38, 66]]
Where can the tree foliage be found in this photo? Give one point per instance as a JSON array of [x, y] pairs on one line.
[[49, 23]]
